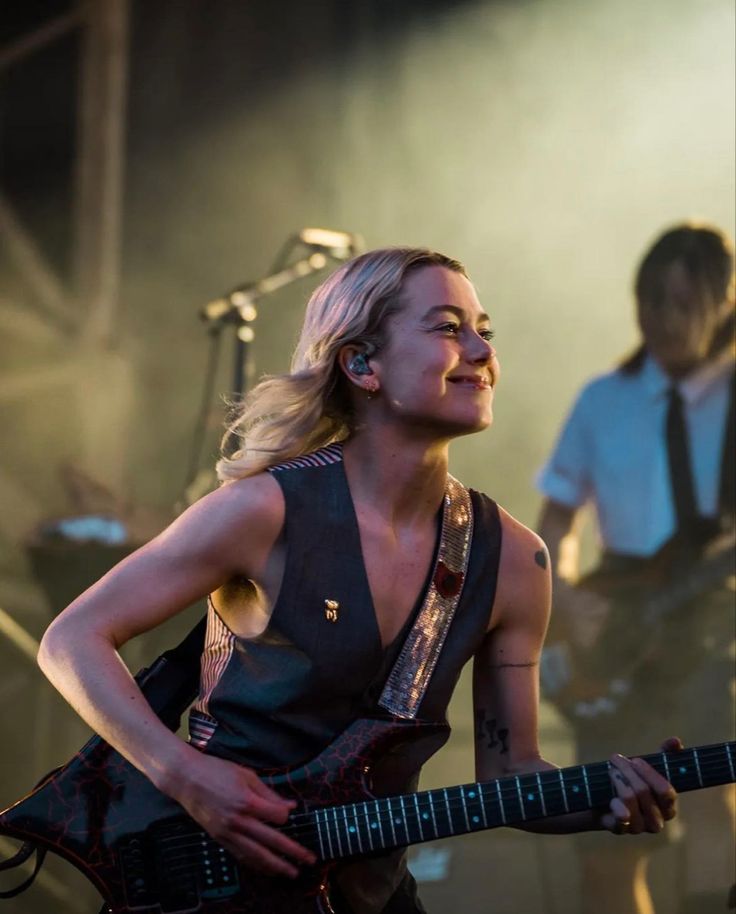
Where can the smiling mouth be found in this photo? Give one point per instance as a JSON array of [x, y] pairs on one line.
[[472, 383]]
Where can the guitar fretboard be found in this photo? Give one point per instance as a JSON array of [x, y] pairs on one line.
[[361, 828]]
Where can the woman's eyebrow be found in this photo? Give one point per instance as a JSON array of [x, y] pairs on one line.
[[457, 311]]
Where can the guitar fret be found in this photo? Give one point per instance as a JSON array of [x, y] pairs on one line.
[[419, 817], [465, 808], [329, 836], [347, 827], [521, 798], [541, 795], [450, 823], [356, 823], [337, 830], [730, 761], [400, 819], [430, 798], [368, 825], [406, 821], [380, 826], [587, 785], [500, 800], [697, 767], [391, 821], [564, 791], [482, 805], [319, 836]]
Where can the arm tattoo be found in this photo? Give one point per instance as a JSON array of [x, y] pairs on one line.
[[503, 666], [489, 729], [540, 558]]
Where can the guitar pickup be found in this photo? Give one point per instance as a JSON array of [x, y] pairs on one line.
[[218, 874]]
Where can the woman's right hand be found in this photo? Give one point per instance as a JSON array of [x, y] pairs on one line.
[[239, 811]]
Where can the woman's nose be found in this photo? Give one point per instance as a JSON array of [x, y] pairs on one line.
[[481, 350]]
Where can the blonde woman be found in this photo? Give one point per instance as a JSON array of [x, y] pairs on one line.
[[334, 537]]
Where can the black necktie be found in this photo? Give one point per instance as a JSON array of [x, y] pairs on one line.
[[678, 453]]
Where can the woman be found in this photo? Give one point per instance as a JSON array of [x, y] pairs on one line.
[[325, 542]]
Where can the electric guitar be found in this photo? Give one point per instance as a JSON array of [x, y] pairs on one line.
[[599, 682], [146, 856]]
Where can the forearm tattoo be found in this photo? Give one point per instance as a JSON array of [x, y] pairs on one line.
[[518, 666], [489, 733]]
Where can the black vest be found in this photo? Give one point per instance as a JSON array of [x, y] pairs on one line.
[[282, 697]]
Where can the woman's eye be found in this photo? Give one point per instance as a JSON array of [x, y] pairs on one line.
[[449, 328], [487, 334]]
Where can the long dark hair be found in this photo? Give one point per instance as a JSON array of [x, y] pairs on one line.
[[707, 255]]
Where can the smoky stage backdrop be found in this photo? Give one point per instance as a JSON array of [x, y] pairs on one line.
[[544, 144]]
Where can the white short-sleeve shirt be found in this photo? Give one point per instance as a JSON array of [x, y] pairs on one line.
[[612, 452]]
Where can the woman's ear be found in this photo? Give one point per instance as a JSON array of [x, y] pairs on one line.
[[354, 362]]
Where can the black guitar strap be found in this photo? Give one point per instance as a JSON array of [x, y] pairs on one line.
[[25, 851]]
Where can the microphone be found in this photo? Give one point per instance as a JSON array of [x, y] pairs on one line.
[[339, 245], [239, 303]]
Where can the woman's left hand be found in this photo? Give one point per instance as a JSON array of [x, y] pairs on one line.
[[644, 800]]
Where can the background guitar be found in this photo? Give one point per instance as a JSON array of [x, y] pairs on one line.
[[653, 609]]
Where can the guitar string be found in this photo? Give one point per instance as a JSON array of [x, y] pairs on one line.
[[410, 815]]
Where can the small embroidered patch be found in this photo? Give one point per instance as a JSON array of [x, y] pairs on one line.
[[331, 608]]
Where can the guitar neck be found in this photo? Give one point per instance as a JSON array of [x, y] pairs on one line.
[[398, 821]]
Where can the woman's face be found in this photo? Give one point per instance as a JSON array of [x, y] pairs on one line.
[[437, 369]]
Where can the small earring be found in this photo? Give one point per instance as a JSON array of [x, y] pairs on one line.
[[372, 391]]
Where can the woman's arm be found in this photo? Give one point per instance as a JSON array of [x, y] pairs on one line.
[[506, 696], [228, 533], [579, 615]]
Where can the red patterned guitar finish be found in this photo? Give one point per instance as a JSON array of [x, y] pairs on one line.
[[146, 856]]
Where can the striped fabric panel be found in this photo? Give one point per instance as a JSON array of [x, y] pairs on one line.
[[201, 730], [219, 644], [332, 453]]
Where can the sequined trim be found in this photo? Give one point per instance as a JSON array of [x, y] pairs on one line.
[[410, 676]]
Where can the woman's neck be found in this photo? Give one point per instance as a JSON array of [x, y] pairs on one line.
[[401, 480]]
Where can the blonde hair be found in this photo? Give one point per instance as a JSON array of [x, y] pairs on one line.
[[287, 415]]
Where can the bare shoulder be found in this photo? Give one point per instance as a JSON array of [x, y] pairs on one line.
[[520, 544], [239, 520], [524, 582]]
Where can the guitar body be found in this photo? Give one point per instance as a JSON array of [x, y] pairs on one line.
[[652, 617], [145, 855]]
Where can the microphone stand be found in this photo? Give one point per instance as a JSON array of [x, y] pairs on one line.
[[238, 308], [243, 314]]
